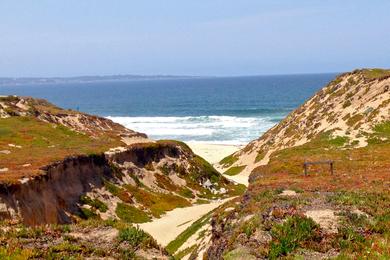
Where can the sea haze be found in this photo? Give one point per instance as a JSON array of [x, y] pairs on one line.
[[216, 110]]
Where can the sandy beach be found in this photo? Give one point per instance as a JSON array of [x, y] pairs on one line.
[[213, 153]]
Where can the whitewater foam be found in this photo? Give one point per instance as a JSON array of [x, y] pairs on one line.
[[208, 129]]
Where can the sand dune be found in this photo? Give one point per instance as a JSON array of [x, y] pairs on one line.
[[169, 226]]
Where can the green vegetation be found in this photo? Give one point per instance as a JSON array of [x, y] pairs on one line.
[[41, 144], [291, 234], [383, 129], [360, 182], [202, 201], [354, 119], [133, 235], [235, 170], [376, 73], [185, 192], [249, 227], [186, 234], [15, 253], [87, 213], [120, 192], [157, 203], [202, 168], [228, 160], [260, 156], [135, 238], [55, 241], [360, 235], [339, 141], [185, 252], [239, 253], [183, 145], [94, 203], [131, 214], [237, 189]]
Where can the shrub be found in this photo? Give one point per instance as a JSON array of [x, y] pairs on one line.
[[87, 213], [291, 235], [133, 235], [95, 203]]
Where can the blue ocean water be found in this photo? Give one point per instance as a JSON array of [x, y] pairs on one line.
[[231, 110]]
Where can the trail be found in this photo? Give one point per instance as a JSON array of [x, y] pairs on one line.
[[169, 226]]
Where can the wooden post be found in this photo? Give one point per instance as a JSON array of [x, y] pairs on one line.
[[331, 167], [305, 168]]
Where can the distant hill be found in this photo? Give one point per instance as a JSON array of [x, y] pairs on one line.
[[83, 79]]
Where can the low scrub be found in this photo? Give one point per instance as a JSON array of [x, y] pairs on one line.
[[292, 234], [234, 170], [157, 203], [131, 214], [94, 203], [228, 160]]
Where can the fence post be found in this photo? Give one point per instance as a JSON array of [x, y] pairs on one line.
[[331, 167]]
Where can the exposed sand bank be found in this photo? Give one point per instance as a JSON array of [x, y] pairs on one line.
[[169, 226]]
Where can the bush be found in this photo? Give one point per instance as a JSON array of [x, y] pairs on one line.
[[94, 203], [133, 235], [291, 234], [87, 213]]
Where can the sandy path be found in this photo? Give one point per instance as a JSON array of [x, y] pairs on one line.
[[169, 226]]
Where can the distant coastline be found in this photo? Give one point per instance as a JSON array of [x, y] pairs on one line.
[[86, 79], [17, 81]]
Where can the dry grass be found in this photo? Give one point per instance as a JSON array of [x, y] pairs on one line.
[[42, 143]]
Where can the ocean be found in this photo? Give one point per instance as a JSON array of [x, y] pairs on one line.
[[223, 110]]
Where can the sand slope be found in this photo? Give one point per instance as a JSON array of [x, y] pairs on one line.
[[169, 226]]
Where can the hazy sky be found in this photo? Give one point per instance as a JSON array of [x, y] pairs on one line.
[[192, 37]]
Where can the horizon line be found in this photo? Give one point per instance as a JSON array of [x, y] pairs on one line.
[[166, 75]]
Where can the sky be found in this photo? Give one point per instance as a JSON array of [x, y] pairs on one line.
[[191, 37]]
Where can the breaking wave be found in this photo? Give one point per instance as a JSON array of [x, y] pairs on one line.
[[207, 129]]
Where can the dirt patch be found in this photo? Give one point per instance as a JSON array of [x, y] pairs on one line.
[[326, 218], [289, 193], [105, 235]]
